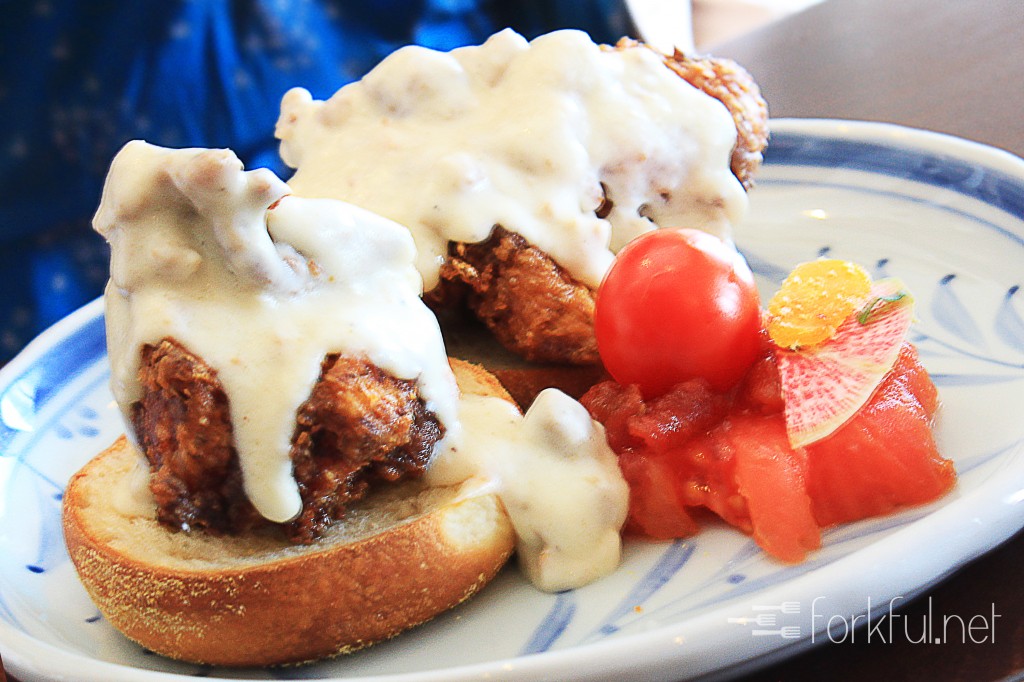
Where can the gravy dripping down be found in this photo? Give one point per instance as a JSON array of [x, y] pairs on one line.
[[557, 478], [261, 285]]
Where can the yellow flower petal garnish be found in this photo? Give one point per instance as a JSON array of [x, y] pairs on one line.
[[814, 300]]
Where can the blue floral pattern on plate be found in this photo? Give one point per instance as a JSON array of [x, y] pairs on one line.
[[945, 215]]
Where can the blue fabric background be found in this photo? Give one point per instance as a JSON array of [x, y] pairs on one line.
[[79, 79]]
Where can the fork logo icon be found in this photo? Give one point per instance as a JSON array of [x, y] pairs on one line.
[[787, 607], [786, 632], [767, 620]]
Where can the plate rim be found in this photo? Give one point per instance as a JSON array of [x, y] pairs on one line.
[[999, 505]]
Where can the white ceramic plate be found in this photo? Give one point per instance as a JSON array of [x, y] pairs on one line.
[[945, 215]]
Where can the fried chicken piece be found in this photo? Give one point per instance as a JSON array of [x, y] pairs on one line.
[[733, 86], [182, 426], [730, 84], [359, 427], [529, 302]]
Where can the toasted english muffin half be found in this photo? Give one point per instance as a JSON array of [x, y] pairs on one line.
[[400, 557]]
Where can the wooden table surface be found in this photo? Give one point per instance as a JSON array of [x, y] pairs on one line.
[[955, 67]]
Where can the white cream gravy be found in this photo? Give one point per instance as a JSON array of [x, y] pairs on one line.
[[261, 285], [557, 478], [523, 135]]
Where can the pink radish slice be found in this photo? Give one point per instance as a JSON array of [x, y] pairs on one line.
[[826, 384]]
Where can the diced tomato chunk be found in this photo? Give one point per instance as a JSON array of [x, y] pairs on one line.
[[671, 420], [770, 476], [693, 449], [761, 390], [908, 368], [614, 405], [709, 479], [885, 457], [655, 509]]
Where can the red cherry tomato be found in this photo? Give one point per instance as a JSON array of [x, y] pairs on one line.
[[678, 304]]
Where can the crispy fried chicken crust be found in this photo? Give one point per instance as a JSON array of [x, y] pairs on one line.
[[529, 302], [358, 428], [730, 84]]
